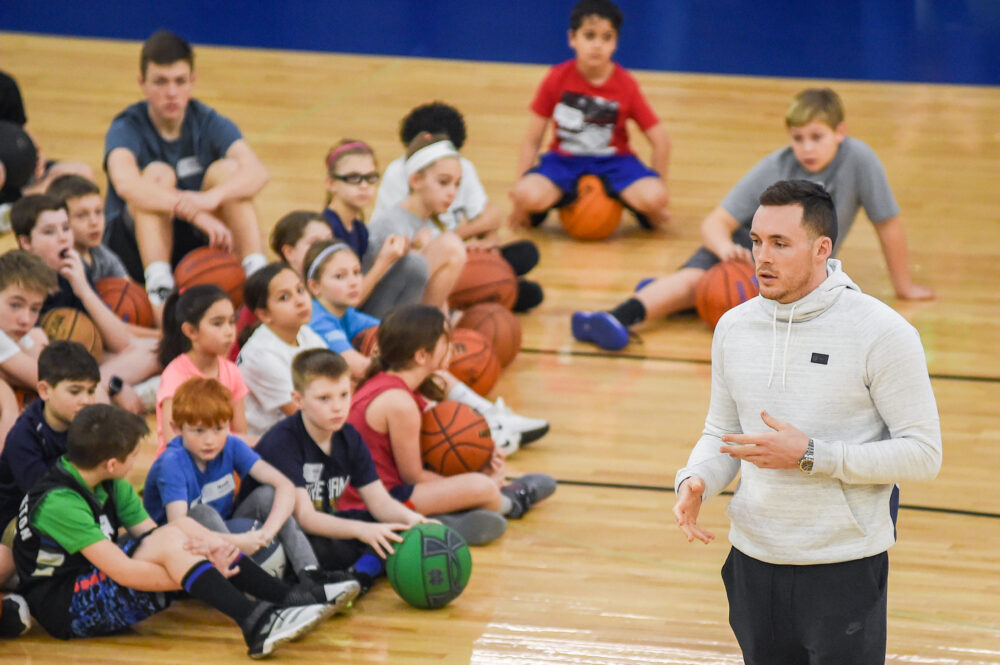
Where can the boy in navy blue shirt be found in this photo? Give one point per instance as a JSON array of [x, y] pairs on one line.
[[321, 454], [195, 477]]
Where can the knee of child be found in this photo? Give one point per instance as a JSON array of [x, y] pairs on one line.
[[160, 173], [414, 267], [218, 171], [454, 247]]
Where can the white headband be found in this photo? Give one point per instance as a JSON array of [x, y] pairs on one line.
[[428, 155], [314, 266]]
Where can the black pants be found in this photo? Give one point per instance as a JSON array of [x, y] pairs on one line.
[[814, 615]]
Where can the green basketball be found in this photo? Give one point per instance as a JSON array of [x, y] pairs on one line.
[[430, 567]]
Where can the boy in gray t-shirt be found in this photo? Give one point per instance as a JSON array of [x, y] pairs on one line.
[[85, 209], [819, 151]]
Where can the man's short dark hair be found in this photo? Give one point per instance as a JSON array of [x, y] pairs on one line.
[[71, 186], [100, 432], [433, 118], [818, 214], [63, 360], [164, 48], [600, 8], [24, 214]]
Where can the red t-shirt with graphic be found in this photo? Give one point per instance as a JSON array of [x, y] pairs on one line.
[[589, 119]]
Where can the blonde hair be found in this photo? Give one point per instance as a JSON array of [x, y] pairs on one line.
[[821, 104]]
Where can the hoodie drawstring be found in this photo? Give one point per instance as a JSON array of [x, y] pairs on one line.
[[774, 347]]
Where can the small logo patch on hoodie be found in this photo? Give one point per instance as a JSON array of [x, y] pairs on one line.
[[820, 358]]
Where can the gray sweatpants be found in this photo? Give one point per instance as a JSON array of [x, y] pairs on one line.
[[257, 506], [404, 283]]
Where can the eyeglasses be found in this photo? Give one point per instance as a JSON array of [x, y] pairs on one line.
[[357, 178]]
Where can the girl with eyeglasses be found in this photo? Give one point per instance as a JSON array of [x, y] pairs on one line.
[[394, 275]]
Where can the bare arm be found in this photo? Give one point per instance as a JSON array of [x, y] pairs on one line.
[[660, 142], [284, 496], [238, 425], [127, 571], [176, 510], [113, 330], [385, 508], [716, 234], [488, 221], [139, 192], [396, 414], [531, 143], [249, 178], [167, 418], [893, 240]]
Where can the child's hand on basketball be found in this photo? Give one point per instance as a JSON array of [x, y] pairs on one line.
[[219, 235], [736, 252], [687, 507], [380, 536]]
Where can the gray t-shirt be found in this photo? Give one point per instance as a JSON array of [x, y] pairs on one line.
[[392, 220], [104, 263], [855, 178]]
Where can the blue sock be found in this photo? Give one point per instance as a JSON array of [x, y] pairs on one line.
[[369, 564]]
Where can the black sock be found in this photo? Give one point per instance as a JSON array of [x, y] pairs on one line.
[[207, 584], [522, 255], [529, 295], [630, 312], [257, 582]]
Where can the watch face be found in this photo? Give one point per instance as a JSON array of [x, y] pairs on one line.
[[806, 465]]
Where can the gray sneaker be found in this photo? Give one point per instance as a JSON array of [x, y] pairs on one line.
[[526, 491], [477, 526], [274, 626]]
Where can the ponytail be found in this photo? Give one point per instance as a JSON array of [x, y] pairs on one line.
[[185, 306]]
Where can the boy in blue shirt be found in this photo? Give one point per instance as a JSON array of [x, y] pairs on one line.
[[79, 583], [195, 477]]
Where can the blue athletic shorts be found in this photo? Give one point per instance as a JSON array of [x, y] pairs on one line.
[[616, 171], [101, 606]]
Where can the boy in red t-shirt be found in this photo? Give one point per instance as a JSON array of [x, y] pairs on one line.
[[589, 99]]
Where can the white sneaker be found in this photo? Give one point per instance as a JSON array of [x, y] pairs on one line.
[[147, 392], [4, 217], [505, 425], [282, 625]]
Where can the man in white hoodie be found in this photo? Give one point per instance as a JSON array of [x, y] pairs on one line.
[[821, 401]]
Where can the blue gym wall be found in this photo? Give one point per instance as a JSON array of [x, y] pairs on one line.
[[949, 41]]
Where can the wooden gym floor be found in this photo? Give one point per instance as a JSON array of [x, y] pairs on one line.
[[599, 573]]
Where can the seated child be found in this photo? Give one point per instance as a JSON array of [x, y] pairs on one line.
[[195, 477], [67, 379], [322, 455], [85, 208], [25, 282], [471, 215], [79, 583], [387, 409], [396, 276], [277, 296], [819, 151], [333, 280], [433, 173], [589, 99], [198, 331], [42, 228]]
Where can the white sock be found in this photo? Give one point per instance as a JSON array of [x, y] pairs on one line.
[[466, 395], [253, 262], [506, 505], [158, 276]]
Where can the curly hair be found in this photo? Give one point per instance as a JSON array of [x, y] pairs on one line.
[[434, 118]]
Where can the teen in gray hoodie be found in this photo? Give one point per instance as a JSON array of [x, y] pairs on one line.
[[821, 401]]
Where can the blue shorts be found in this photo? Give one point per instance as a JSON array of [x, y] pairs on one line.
[[101, 606], [617, 172]]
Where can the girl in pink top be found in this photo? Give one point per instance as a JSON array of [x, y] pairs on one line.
[[198, 330]]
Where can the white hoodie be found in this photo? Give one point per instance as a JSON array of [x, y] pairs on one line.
[[850, 373]]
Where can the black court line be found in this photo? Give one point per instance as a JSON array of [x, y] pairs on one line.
[[670, 490], [697, 361]]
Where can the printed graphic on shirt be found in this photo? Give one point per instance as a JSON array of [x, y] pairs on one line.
[[188, 166], [312, 474], [218, 488], [585, 124]]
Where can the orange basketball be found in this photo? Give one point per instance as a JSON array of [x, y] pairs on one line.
[[723, 287], [366, 341], [486, 277], [455, 439], [75, 326], [473, 360], [126, 299], [498, 325], [593, 215], [206, 265]]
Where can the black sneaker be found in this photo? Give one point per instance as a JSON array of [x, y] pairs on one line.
[[15, 619], [526, 491], [529, 295], [538, 218], [365, 581], [273, 626]]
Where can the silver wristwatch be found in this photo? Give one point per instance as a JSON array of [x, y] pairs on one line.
[[806, 462]]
